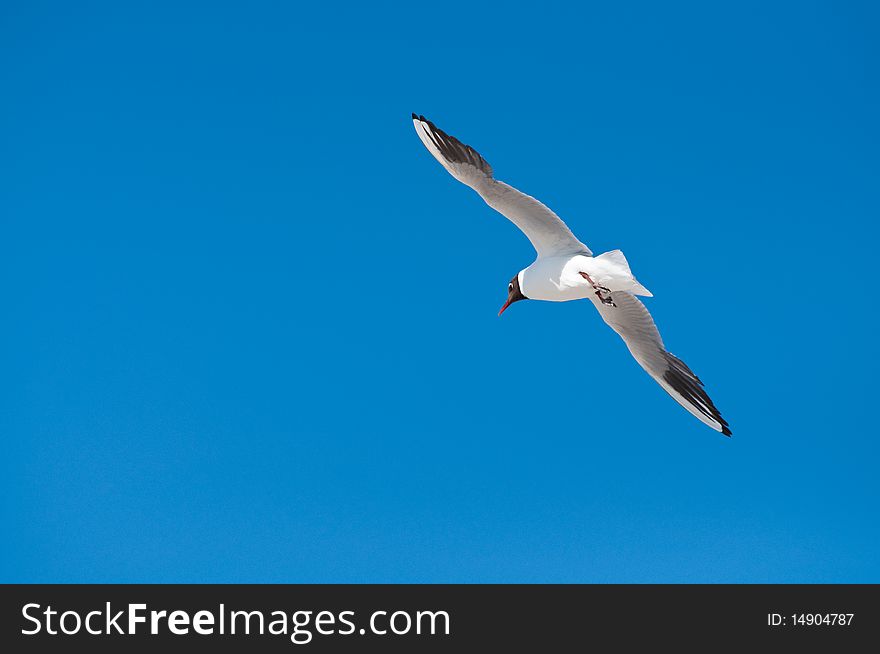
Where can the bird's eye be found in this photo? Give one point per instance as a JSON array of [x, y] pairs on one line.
[[510, 287]]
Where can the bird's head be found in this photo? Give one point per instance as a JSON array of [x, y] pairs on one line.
[[514, 293]]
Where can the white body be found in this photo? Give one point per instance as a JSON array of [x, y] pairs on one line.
[[559, 279]]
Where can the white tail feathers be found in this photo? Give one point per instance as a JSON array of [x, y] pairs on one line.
[[638, 289], [616, 258]]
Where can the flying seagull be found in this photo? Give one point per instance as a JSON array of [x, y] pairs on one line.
[[566, 269]]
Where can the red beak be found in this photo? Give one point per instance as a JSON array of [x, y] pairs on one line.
[[506, 304]]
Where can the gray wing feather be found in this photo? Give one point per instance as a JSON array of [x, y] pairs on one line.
[[631, 320], [546, 231]]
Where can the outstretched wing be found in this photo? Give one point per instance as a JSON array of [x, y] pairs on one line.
[[631, 320], [548, 234]]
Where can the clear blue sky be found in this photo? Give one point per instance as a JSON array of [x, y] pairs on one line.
[[249, 325]]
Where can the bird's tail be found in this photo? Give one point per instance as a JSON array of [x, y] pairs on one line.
[[616, 257]]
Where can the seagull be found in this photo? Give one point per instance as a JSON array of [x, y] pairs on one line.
[[565, 269]]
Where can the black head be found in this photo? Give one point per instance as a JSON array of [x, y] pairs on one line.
[[514, 294]]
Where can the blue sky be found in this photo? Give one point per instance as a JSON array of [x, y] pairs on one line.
[[250, 329]]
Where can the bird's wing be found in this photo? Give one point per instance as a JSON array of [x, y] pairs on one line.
[[631, 320], [544, 229]]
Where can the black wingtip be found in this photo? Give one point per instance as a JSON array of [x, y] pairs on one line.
[[684, 382], [415, 117]]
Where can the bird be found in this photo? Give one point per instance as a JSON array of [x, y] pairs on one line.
[[565, 269]]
